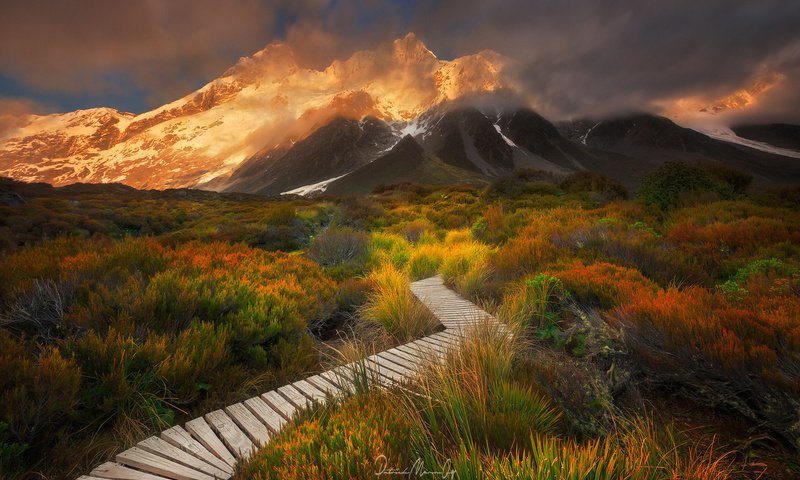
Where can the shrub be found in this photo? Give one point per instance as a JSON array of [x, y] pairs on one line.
[[675, 183], [491, 227], [532, 302], [358, 212], [740, 357], [460, 257], [604, 284], [641, 451], [414, 230], [736, 179], [389, 248], [591, 182], [336, 246], [357, 440], [392, 306], [523, 255], [38, 391]]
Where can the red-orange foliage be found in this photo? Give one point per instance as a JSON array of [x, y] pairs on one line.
[[523, 255], [741, 237], [604, 283], [695, 323]]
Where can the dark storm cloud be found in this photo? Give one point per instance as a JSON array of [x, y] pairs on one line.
[[583, 57], [574, 57]]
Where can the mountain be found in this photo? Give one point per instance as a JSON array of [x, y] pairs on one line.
[[332, 150], [781, 135], [396, 113], [406, 162], [654, 140], [263, 103]]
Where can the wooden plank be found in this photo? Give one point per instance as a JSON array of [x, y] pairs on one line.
[[233, 437], [335, 377], [248, 422], [115, 471], [164, 449], [434, 345], [325, 385], [143, 460], [452, 335], [442, 339], [422, 350], [389, 376], [182, 439], [389, 365], [310, 391], [87, 477], [202, 432], [279, 404], [407, 366], [345, 385], [436, 341], [294, 396], [413, 359], [272, 419]]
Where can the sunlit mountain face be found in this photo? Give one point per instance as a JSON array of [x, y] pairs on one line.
[[265, 102]]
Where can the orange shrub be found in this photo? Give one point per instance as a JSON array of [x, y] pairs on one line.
[[523, 255], [695, 323], [603, 283]]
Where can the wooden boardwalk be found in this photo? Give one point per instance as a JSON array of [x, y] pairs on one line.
[[209, 447]]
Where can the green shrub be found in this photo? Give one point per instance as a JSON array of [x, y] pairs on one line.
[[591, 182], [676, 183]]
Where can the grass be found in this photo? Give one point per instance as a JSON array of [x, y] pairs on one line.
[[471, 417], [392, 306]]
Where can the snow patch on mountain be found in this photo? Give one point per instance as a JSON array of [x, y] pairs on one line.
[[727, 135], [318, 187], [507, 140]]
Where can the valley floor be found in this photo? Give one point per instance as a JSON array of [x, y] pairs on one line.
[[656, 337]]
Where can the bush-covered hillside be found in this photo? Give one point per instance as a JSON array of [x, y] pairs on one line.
[[658, 332]]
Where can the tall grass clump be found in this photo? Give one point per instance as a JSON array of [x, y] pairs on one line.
[[425, 260], [532, 302], [640, 450], [472, 398], [392, 306]]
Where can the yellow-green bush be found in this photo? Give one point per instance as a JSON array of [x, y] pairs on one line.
[[355, 440], [392, 306]]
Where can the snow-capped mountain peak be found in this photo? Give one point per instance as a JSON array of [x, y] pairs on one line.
[[264, 99]]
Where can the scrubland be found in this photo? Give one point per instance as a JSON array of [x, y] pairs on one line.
[[657, 332]]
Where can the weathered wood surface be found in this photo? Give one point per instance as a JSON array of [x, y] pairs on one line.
[[209, 447]]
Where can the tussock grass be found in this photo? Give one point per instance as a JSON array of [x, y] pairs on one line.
[[471, 397], [392, 306], [530, 302]]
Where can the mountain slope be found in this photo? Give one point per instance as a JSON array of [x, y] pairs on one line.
[[406, 162], [654, 140], [333, 150], [781, 135], [264, 101]]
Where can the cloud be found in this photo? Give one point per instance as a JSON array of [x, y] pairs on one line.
[[14, 112], [593, 58], [100, 46], [574, 57]]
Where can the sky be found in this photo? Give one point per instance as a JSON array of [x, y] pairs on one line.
[[574, 58]]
